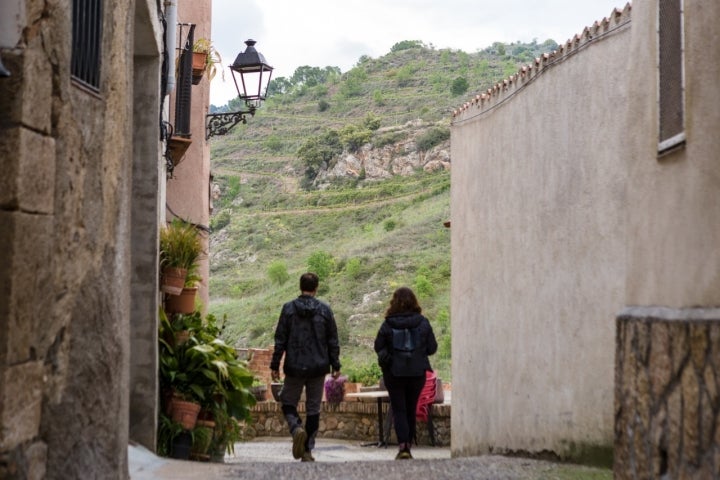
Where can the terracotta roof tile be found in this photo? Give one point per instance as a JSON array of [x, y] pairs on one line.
[[527, 73]]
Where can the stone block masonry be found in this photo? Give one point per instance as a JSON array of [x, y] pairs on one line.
[[667, 394], [345, 420]]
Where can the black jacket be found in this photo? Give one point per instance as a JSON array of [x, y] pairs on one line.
[[401, 363], [307, 334]]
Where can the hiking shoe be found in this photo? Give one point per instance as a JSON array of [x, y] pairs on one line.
[[299, 439], [307, 457], [403, 455]]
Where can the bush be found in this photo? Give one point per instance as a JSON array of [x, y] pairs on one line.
[[367, 374], [459, 86], [273, 143], [354, 137], [220, 220], [320, 150], [321, 263], [378, 98], [434, 136], [405, 45], [423, 287], [372, 121], [388, 139], [352, 268], [278, 273], [389, 225]]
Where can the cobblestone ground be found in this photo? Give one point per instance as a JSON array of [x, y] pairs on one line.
[[270, 458]]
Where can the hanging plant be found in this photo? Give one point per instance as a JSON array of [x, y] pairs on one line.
[[205, 59]]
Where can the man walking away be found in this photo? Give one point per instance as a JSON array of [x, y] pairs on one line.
[[307, 334]]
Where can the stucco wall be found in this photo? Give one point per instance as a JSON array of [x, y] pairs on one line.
[[538, 240], [674, 206], [668, 342], [188, 191]]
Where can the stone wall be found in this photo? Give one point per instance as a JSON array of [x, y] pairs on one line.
[[345, 420], [65, 249], [667, 395]]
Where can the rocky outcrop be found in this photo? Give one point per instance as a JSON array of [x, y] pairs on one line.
[[400, 158]]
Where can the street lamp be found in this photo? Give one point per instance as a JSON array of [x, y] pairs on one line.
[[254, 74]]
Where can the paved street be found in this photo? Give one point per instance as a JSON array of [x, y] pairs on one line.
[[270, 458]]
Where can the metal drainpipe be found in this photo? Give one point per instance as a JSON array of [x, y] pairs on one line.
[[171, 41]]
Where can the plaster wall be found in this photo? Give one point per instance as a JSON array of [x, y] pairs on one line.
[[147, 198], [188, 191], [538, 252], [668, 336], [674, 205]]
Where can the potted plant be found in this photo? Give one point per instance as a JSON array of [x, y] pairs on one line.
[[180, 249], [202, 436], [259, 389], [205, 59], [168, 435], [204, 370]]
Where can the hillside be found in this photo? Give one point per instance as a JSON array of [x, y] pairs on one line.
[[347, 173]]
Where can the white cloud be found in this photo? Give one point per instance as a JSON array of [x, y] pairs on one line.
[[318, 33]]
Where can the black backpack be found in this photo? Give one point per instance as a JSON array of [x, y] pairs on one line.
[[407, 358]]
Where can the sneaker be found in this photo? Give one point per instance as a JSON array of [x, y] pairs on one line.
[[307, 457], [299, 439], [403, 455]]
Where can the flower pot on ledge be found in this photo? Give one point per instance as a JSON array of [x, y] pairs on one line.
[[177, 146], [183, 303], [173, 280], [198, 66]]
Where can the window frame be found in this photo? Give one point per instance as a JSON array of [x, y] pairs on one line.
[[670, 142], [86, 49]]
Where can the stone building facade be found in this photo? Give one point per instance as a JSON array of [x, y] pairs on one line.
[[82, 198], [71, 144], [584, 246]]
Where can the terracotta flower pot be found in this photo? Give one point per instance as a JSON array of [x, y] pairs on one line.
[[260, 392], [173, 280], [185, 413], [183, 303]]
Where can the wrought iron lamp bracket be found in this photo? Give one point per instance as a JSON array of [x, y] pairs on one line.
[[221, 123]]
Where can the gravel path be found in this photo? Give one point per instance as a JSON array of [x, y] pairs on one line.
[[270, 458]]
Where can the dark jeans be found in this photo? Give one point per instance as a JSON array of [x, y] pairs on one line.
[[404, 393], [290, 396]]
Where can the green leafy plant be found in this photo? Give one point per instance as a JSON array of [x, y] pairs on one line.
[[204, 369], [434, 136], [366, 373], [168, 430], [322, 263], [278, 272], [180, 245], [212, 57]]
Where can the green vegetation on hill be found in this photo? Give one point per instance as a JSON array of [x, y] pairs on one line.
[[367, 237]]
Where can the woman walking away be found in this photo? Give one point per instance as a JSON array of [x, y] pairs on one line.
[[403, 343]]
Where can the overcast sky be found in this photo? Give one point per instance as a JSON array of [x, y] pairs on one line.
[[320, 33]]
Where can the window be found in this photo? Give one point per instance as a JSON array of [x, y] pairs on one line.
[[86, 42], [671, 91]]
